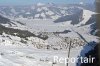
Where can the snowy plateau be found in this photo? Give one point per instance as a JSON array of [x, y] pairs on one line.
[[33, 35]]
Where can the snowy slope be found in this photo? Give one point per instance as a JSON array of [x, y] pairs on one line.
[[27, 56], [86, 16]]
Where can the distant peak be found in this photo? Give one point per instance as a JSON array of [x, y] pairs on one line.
[[81, 3], [40, 4]]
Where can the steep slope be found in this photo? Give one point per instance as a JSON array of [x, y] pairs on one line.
[[76, 17], [4, 20]]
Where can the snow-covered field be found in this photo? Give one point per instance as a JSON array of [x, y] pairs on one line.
[[45, 25], [28, 56]]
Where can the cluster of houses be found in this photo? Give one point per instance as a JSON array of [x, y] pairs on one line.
[[64, 44]]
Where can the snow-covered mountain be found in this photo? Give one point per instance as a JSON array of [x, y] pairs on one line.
[[81, 21], [58, 18], [39, 11], [26, 30]]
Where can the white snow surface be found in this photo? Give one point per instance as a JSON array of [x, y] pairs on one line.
[[28, 56]]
